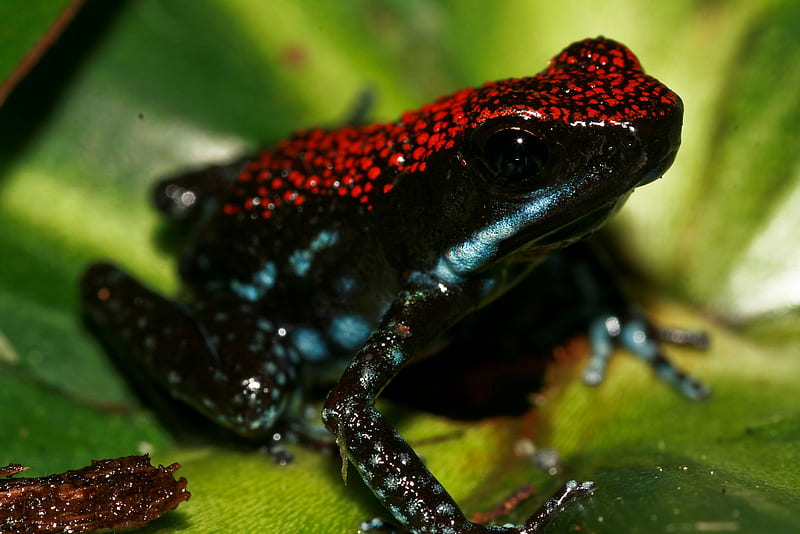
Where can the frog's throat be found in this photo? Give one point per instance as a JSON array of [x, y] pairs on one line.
[[547, 213]]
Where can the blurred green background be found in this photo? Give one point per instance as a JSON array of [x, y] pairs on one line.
[[134, 90]]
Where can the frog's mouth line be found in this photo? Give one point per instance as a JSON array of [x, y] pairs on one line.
[[658, 169], [570, 233]]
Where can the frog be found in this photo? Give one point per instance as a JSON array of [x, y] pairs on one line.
[[339, 256]]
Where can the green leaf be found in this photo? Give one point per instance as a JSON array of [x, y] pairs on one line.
[[137, 90], [50, 431]]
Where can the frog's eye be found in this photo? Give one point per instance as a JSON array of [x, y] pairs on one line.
[[516, 157]]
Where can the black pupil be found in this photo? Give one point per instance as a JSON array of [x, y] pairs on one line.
[[515, 155]]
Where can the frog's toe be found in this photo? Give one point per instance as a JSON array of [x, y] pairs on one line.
[[279, 454], [643, 340], [602, 334], [376, 525], [568, 493], [687, 338]]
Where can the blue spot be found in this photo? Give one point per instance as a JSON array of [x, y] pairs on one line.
[[323, 240], [301, 259], [265, 278], [397, 356], [247, 292], [349, 331], [262, 281], [310, 344]]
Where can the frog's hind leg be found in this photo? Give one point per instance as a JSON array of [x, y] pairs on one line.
[[219, 357]]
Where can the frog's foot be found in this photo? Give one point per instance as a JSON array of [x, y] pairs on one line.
[[643, 340], [300, 430], [279, 454]]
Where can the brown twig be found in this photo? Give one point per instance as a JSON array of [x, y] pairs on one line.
[[45, 42], [522, 493], [109, 494]]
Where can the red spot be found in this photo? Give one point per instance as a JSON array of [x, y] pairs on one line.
[[373, 173], [387, 188]]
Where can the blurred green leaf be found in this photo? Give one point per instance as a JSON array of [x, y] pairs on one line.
[[54, 349], [135, 90]]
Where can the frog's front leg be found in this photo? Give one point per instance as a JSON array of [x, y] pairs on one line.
[[641, 338], [388, 465], [614, 321], [218, 355], [188, 196]]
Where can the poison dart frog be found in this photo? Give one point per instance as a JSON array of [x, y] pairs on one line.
[[339, 255]]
